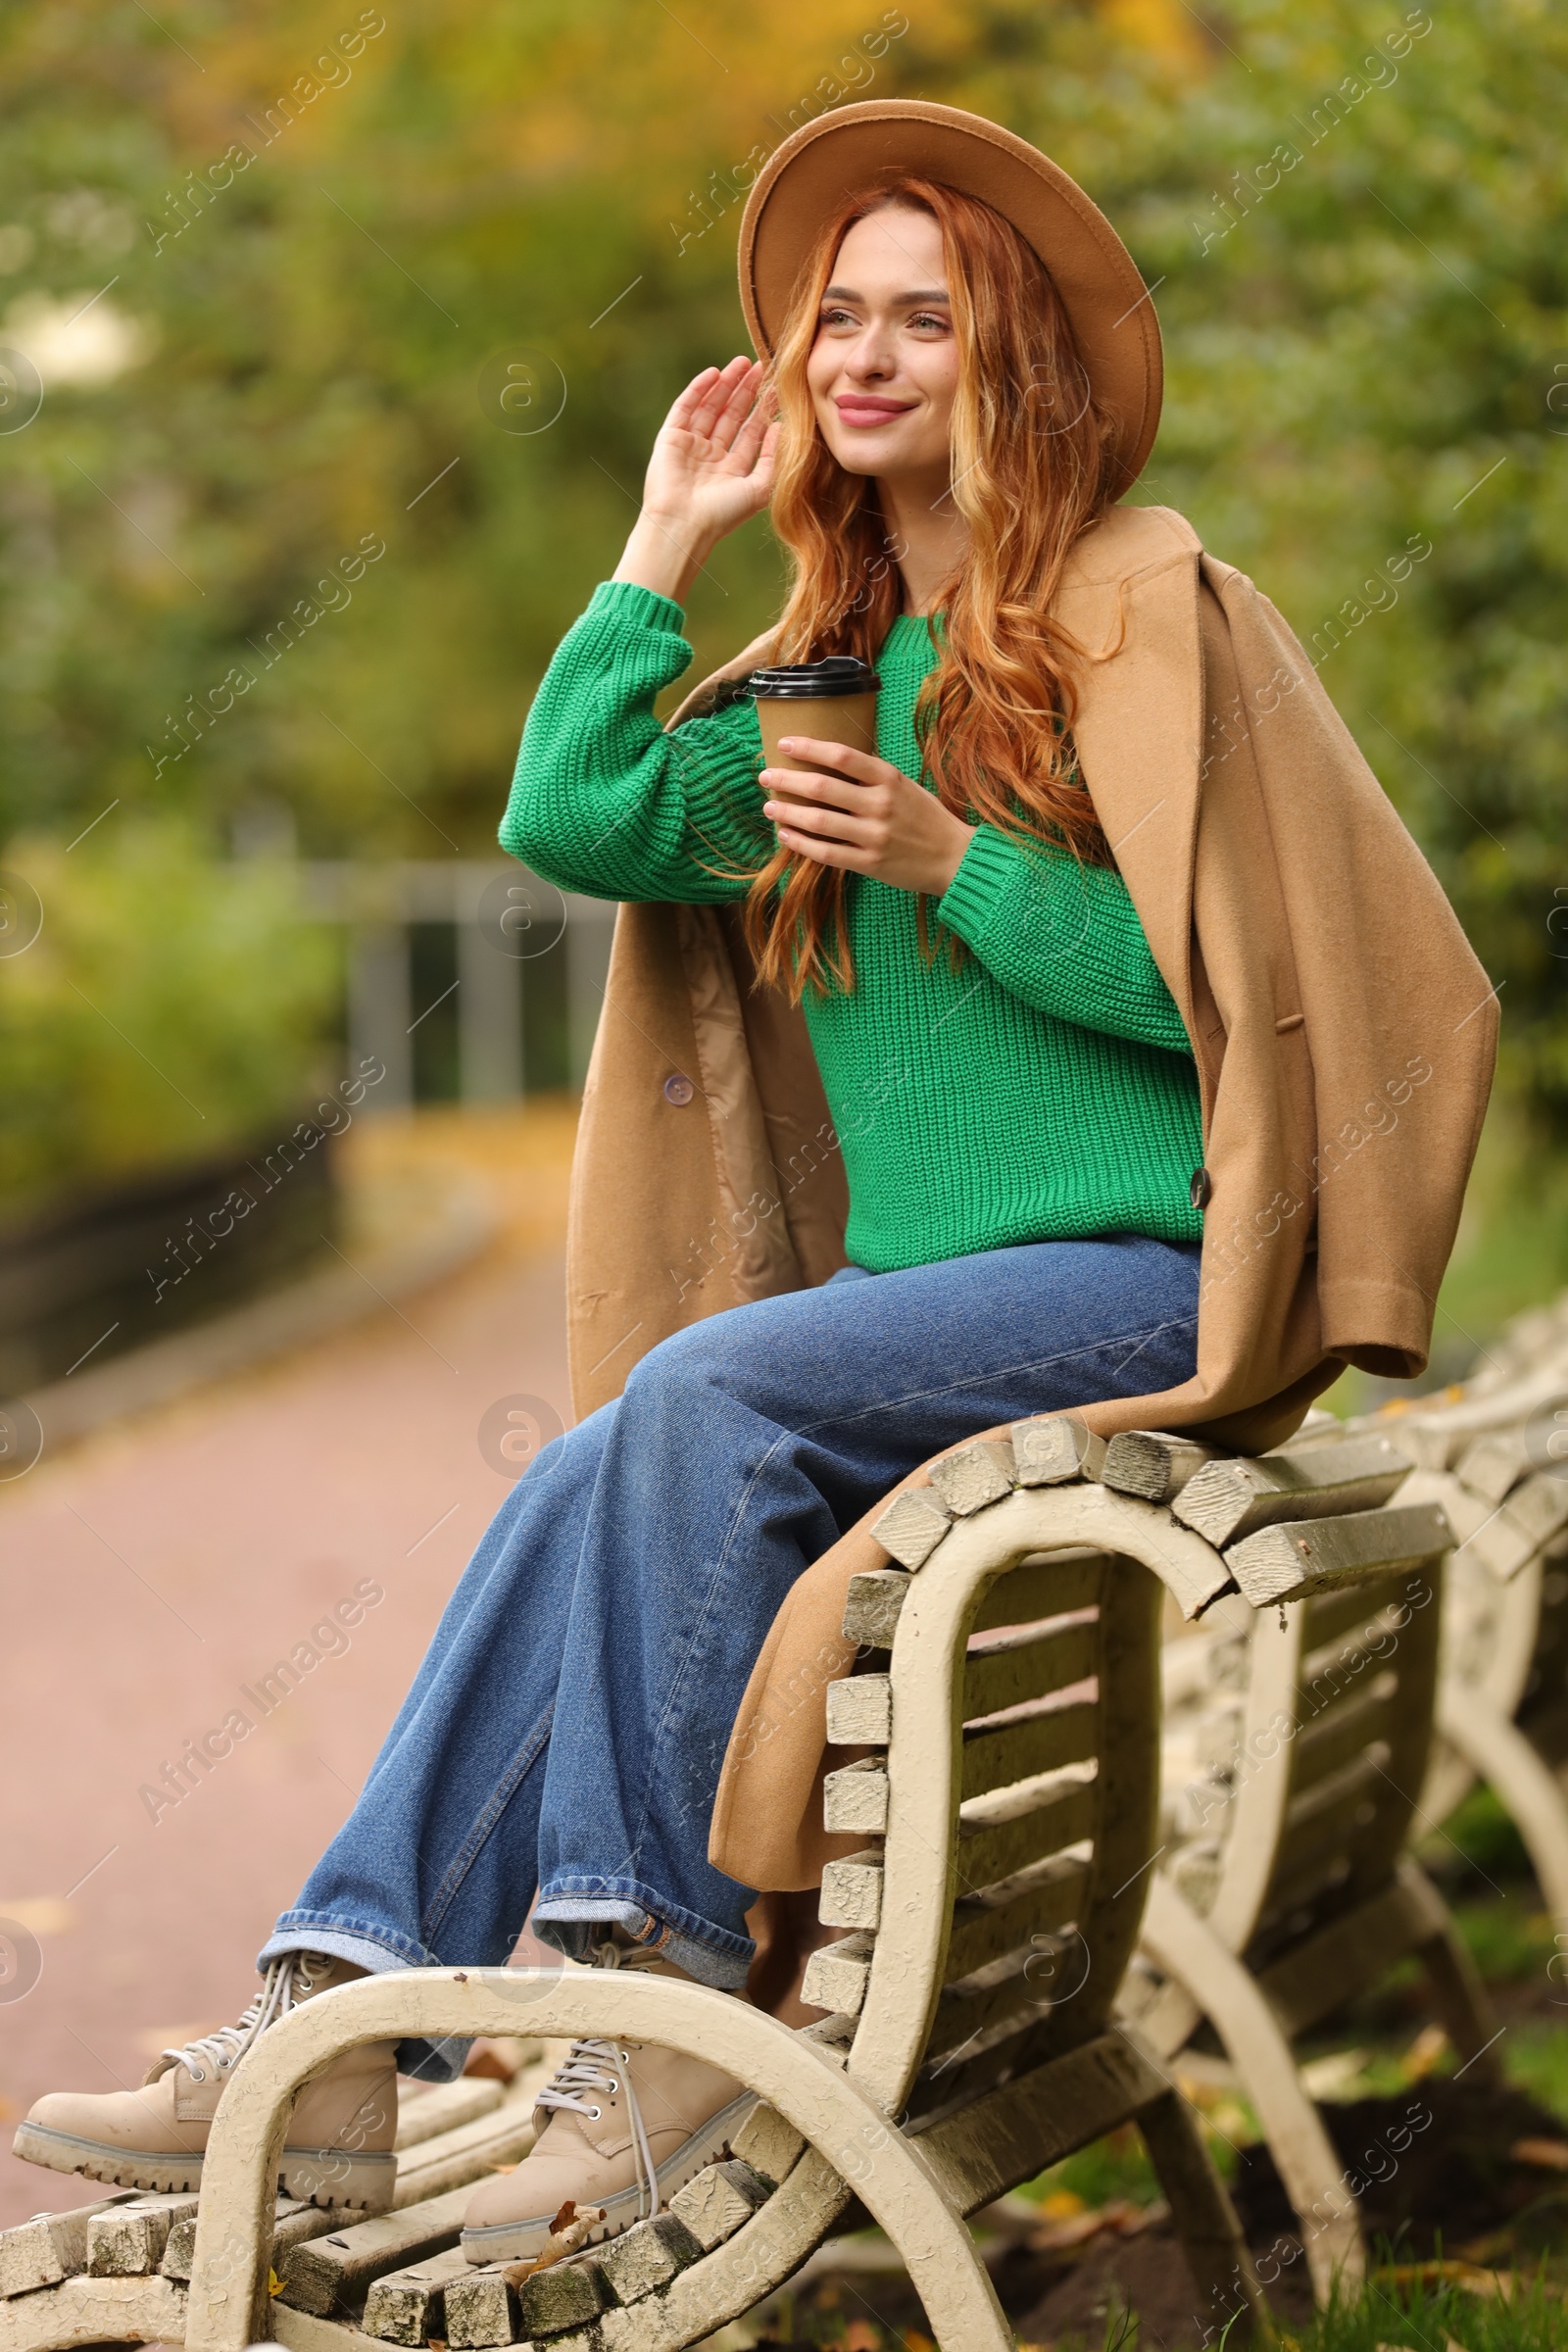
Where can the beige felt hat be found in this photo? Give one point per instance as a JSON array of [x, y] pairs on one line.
[[1105, 297]]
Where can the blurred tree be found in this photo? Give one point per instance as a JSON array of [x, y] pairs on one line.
[[319, 239], [166, 1011]]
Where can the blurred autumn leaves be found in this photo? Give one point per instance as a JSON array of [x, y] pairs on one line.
[[276, 269]]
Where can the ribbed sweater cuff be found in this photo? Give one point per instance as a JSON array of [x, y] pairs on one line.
[[969, 902], [628, 601]]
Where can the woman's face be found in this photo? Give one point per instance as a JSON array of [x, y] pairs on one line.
[[884, 367]]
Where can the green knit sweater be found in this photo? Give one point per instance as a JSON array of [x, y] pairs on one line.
[[1043, 1091]]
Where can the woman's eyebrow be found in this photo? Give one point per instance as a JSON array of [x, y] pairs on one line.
[[921, 294]]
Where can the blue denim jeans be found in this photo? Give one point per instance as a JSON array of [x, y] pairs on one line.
[[565, 1731]]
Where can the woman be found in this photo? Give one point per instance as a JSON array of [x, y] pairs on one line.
[[1011, 1085]]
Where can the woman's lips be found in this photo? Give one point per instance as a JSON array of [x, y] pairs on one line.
[[854, 410]]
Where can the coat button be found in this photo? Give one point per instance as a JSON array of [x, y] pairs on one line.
[[1199, 1191], [678, 1088]]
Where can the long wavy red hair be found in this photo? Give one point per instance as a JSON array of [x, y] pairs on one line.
[[1031, 467]]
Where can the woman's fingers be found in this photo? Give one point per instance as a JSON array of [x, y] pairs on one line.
[[685, 408], [755, 426], [830, 792], [825, 853], [865, 766], [709, 418], [829, 824]]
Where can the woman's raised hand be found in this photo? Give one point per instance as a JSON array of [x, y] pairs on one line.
[[711, 471]]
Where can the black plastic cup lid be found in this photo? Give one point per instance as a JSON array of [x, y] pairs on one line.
[[840, 674]]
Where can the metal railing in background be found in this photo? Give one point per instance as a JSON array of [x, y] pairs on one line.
[[528, 965]]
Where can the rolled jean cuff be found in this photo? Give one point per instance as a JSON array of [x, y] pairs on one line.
[[380, 1951], [712, 1955]]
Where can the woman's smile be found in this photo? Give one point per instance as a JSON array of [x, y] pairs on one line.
[[869, 409]]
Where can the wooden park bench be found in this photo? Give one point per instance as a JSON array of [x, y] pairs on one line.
[[1494, 1454], [1007, 1786], [1295, 1751]]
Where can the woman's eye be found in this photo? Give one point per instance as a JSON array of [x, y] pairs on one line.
[[928, 318], [833, 317]]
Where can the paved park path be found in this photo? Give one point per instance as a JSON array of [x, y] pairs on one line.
[[154, 1574]]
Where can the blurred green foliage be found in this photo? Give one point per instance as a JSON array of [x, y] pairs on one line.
[[324, 232], [168, 1006]]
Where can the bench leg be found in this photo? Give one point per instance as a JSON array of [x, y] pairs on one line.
[[1206, 2221], [228, 2301], [1499, 1753], [1186, 1947], [1458, 1995]]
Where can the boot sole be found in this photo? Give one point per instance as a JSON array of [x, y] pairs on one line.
[[325, 2177], [517, 2242]]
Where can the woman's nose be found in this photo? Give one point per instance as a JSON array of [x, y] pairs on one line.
[[870, 355]]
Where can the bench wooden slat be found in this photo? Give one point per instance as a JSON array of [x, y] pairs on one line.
[[1331, 1614], [1012, 1993], [872, 1605], [480, 2309], [855, 1798], [335, 2273], [836, 1975], [1225, 1501], [431, 2108], [295, 2222], [1152, 1465], [1492, 1466], [1302, 1556], [467, 2153], [912, 1525], [852, 1891], [51, 2246], [997, 1919], [1532, 1514], [975, 1474], [1051, 1586], [860, 1711], [990, 2146], [1054, 1447], [406, 2306], [1041, 1739], [128, 2241], [996, 1838], [1028, 1666], [1324, 1742]]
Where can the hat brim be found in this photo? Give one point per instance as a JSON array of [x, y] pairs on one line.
[[1108, 306]]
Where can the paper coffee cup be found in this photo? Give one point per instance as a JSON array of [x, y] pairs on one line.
[[834, 701]]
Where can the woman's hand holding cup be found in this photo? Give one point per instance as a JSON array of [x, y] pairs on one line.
[[711, 471], [847, 808]]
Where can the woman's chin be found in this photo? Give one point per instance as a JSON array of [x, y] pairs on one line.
[[877, 452]]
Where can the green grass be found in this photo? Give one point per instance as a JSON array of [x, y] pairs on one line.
[[1535, 2056], [1428, 2315]]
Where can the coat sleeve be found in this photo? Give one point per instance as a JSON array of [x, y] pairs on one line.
[[1400, 1019]]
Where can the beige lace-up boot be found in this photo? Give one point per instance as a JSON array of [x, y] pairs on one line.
[[622, 2126], [339, 2143]]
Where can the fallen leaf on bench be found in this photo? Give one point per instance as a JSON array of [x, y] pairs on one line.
[[570, 2233]]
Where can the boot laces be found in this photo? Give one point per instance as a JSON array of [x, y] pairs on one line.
[[289, 1979], [594, 2071]]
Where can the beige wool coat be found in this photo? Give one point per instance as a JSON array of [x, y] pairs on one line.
[[1344, 1037]]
